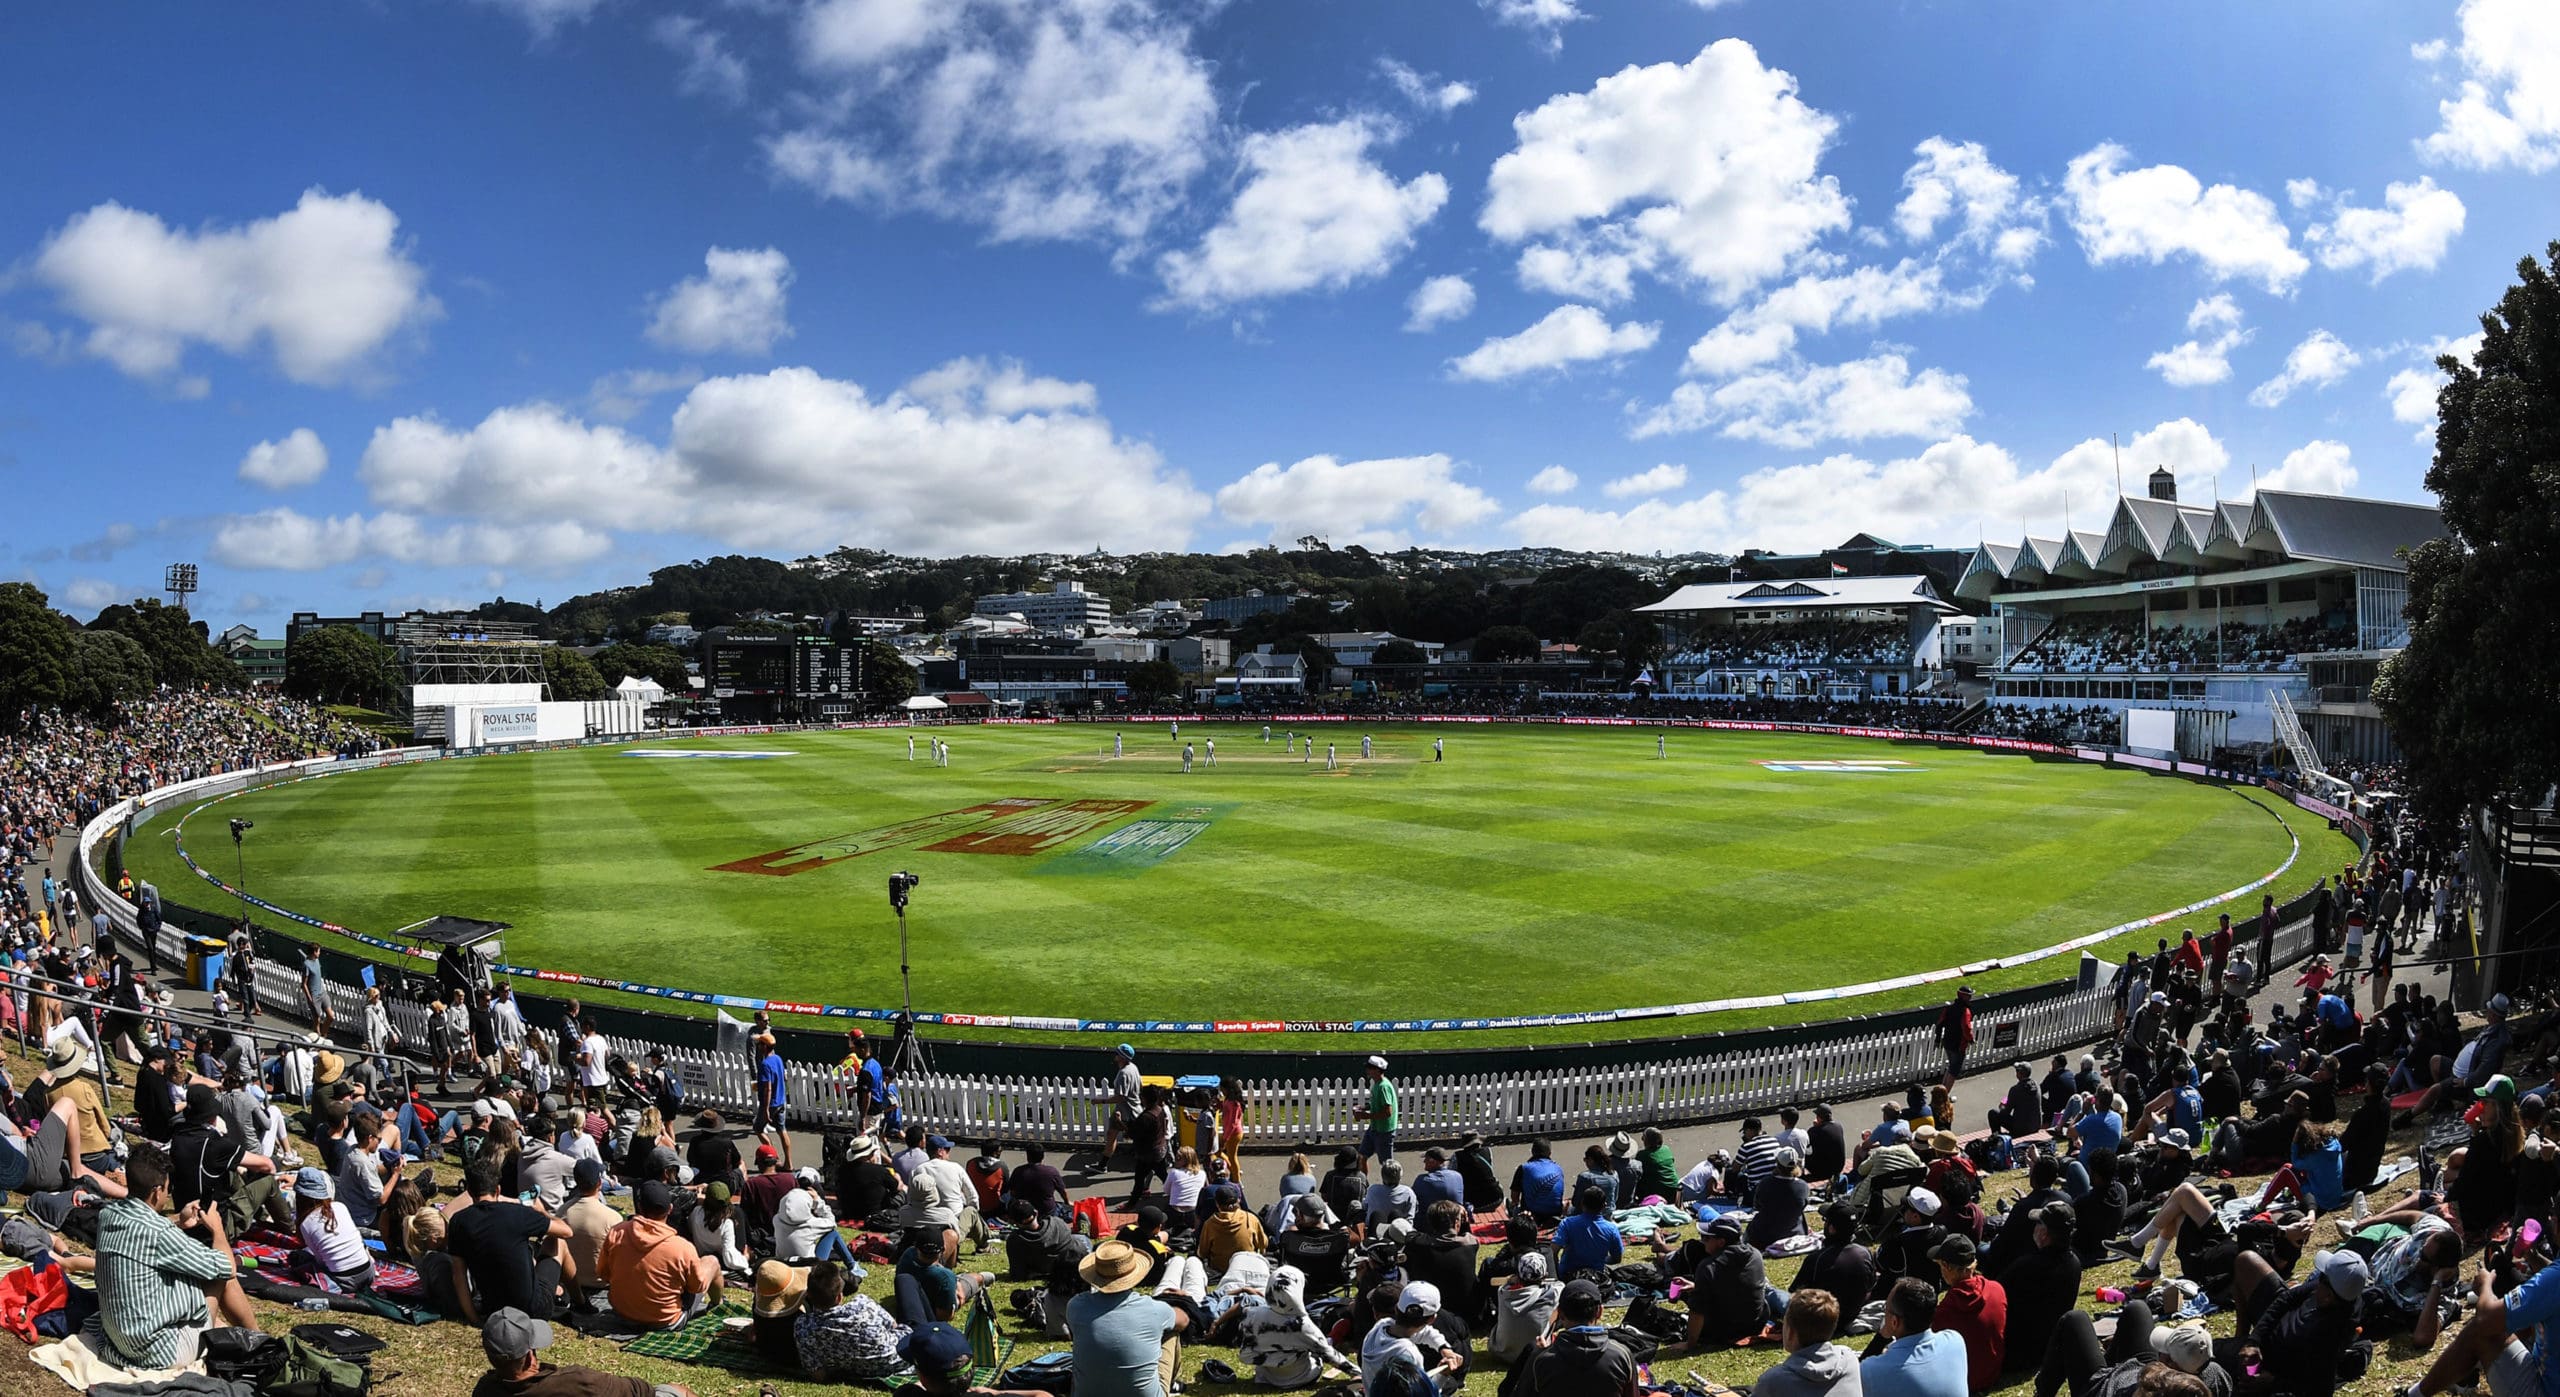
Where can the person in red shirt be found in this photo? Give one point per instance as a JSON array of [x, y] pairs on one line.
[[986, 1174], [767, 1188], [2190, 954], [1955, 1031], [2218, 950], [1974, 1308]]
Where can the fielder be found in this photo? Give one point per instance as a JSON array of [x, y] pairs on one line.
[[1658, 752], [1209, 746], [1115, 747], [1266, 732], [1364, 746], [911, 746], [1329, 763], [1186, 759], [1177, 729], [1437, 754]]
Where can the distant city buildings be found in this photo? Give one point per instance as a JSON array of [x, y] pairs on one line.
[[1067, 606]]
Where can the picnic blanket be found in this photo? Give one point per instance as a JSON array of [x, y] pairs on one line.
[[708, 1339]]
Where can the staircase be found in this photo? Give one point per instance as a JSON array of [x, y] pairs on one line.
[[1968, 717], [2289, 732]]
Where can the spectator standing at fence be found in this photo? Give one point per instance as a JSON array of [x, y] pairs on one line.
[[771, 1106], [1955, 1031], [1123, 1099], [1378, 1141]]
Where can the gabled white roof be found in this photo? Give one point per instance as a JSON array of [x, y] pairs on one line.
[[1807, 593]]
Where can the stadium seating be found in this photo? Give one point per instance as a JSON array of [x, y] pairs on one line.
[[2115, 642], [1801, 645]]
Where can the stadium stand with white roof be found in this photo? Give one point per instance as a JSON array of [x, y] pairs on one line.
[[1835, 638]]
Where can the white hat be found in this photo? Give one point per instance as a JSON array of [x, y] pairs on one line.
[[1378, 1063], [1418, 1297], [1922, 1201]]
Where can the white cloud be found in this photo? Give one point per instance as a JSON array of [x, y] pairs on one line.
[[1662, 479], [1816, 303], [297, 459], [91, 594], [1565, 335], [1554, 480], [1803, 404], [1376, 503], [2303, 193], [1544, 18], [544, 17], [1706, 172], [619, 397], [1315, 213], [323, 286], [970, 458], [1426, 90], [288, 540], [710, 69], [2319, 361], [739, 305], [1439, 301], [2197, 362], [1955, 489], [1081, 121], [2161, 211], [2410, 232], [1958, 181], [2315, 468], [2412, 392], [2508, 112]]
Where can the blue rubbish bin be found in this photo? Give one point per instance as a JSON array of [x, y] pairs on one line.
[[205, 957]]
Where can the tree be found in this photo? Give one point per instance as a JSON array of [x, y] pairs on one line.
[[340, 664], [1397, 652], [659, 664], [572, 677], [2470, 698], [1154, 680], [1501, 643], [37, 667], [108, 668], [886, 675], [178, 647]]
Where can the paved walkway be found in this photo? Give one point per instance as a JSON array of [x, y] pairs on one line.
[[1975, 1093]]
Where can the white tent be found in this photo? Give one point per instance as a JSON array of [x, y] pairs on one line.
[[923, 703], [634, 689]]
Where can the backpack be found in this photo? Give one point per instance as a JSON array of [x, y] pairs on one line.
[[312, 1371], [1053, 1373]]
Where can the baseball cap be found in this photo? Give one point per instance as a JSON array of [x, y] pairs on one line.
[[1923, 1202], [588, 1174], [510, 1334], [2159, 996], [2058, 1219], [1956, 1250], [935, 1348], [1377, 1062], [767, 1154], [2187, 1347], [1580, 1297], [717, 1191], [1418, 1297], [936, 1143], [2174, 1137], [2501, 1003], [2344, 1271], [652, 1196], [807, 1176], [1125, 1050], [2502, 1087], [1727, 1226]]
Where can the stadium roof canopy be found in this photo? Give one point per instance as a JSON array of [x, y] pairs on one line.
[[2150, 540], [1804, 593]]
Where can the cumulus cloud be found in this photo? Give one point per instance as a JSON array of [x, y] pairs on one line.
[[2412, 392], [2315, 468], [297, 459], [1438, 301], [2161, 211], [1706, 172], [1662, 479], [322, 286], [1545, 19], [91, 594], [1377, 503], [1565, 336], [739, 305], [1554, 480], [1941, 492], [288, 540], [1804, 404], [1817, 303], [971, 457], [1083, 121], [2507, 111], [2197, 362], [2319, 361], [2303, 193], [619, 397], [1315, 213], [710, 68], [1425, 90], [1956, 183], [2410, 232]]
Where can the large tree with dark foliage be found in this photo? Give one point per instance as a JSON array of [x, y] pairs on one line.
[[340, 664], [37, 666], [2472, 698], [571, 677], [181, 654], [108, 667]]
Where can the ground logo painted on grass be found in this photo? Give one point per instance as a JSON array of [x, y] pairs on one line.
[[1854, 766], [1017, 826], [1141, 844], [703, 754]]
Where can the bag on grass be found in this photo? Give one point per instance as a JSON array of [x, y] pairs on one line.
[[1053, 1373]]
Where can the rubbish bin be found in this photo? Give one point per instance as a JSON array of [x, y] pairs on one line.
[[1195, 1112], [205, 956]]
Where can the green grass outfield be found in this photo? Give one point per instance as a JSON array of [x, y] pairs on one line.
[[1537, 870]]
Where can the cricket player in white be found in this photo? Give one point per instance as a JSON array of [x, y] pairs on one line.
[[1266, 732], [911, 746], [1115, 745], [1436, 753], [1186, 759], [1364, 746], [1210, 749], [1329, 763], [1658, 752], [1177, 729]]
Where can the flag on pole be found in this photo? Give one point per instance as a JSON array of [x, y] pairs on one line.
[[1839, 569]]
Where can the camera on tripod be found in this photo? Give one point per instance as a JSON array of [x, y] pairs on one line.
[[901, 883], [241, 827]]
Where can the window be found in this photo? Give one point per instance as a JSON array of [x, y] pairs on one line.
[[2294, 589]]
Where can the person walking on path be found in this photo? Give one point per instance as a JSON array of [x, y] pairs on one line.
[[1955, 1031], [1379, 1140]]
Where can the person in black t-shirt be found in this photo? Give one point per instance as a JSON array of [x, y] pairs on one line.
[[512, 1253], [1038, 1181], [207, 1166], [866, 1187]]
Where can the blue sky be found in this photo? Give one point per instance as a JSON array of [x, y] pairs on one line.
[[412, 303]]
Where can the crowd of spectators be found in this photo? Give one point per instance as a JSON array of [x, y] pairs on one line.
[[2117, 642], [2059, 723], [1799, 645]]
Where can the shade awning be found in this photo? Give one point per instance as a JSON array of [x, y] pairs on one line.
[[923, 702]]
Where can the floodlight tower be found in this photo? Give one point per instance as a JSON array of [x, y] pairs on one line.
[[179, 581]]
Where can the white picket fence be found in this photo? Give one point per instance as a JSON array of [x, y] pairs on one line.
[[1827, 1062]]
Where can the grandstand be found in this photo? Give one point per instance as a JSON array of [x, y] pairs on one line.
[[1835, 638], [2225, 612]]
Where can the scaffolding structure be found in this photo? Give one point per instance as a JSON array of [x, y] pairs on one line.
[[460, 648]]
